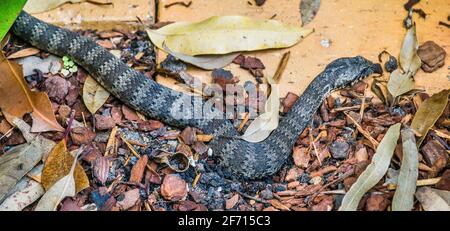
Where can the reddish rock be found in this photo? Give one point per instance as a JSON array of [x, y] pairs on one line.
[[150, 125], [137, 172], [301, 157], [188, 135], [82, 135], [377, 202], [104, 122], [289, 101], [444, 183], [129, 199], [173, 188], [130, 114], [230, 203]]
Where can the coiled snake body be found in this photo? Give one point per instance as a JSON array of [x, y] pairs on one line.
[[242, 159]]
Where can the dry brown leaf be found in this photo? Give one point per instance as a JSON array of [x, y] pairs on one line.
[[39, 6], [94, 95], [17, 99], [58, 166], [24, 53], [428, 113]]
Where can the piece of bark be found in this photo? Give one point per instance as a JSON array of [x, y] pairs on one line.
[[137, 172]]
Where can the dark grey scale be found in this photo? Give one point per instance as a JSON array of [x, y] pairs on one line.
[[238, 157]]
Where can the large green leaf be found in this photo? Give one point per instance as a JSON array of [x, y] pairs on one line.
[[10, 9]]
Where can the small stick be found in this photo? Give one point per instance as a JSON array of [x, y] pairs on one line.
[[423, 182], [253, 198], [364, 132], [197, 177], [133, 151], [179, 3], [314, 146], [7, 133], [244, 121]]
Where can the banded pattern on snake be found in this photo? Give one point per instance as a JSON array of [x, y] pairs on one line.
[[239, 158]]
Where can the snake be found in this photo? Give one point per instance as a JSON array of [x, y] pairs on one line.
[[238, 158]]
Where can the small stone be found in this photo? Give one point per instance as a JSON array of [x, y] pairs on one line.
[[293, 174], [82, 135], [104, 122], [316, 180], [230, 203], [57, 88], [173, 188], [444, 183], [432, 56], [361, 155], [326, 204], [129, 199], [301, 157], [289, 101], [149, 125], [339, 149], [137, 172], [130, 114], [325, 43], [188, 135], [260, 2], [266, 194], [377, 202]]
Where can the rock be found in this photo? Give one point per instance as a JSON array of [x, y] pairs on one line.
[[130, 114], [137, 172], [149, 125], [173, 188], [128, 199], [377, 202], [339, 149], [293, 174], [266, 194], [301, 157], [361, 155], [432, 56], [252, 63], [57, 88], [104, 122], [82, 135], [230, 203], [326, 204], [444, 183], [188, 135], [64, 112], [435, 155]]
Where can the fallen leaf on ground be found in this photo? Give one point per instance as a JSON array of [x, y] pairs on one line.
[[265, 123], [431, 200], [64, 187], [24, 53], [227, 34], [94, 95], [39, 6], [20, 159], [51, 64], [409, 60], [400, 83], [17, 99], [428, 113], [308, 10], [374, 172], [25, 193], [406, 184], [207, 62], [58, 165]]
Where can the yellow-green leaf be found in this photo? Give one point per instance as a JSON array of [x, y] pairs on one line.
[[400, 83], [374, 171], [429, 112], [94, 95], [406, 184], [58, 165], [227, 34], [433, 199]]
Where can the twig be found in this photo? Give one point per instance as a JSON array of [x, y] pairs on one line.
[[253, 198], [178, 3], [7, 133], [69, 125], [244, 121], [133, 151], [423, 182], [314, 146], [281, 66], [363, 132], [444, 24]]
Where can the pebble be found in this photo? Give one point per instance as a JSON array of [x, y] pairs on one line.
[[339, 149]]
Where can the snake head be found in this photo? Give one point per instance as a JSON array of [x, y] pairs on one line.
[[348, 71]]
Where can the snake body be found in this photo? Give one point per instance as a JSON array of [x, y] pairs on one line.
[[240, 159]]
